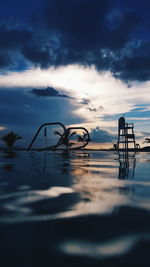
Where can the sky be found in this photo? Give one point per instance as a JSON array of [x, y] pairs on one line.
[[79, 62]]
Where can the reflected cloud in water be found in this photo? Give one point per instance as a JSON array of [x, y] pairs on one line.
[[75, 209], [83, 183]]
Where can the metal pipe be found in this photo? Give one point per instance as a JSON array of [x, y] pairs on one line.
[[43, 125]]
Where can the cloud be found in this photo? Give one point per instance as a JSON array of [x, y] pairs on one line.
[[13, 39], [108, 95], [82, 24], [21, 111], [134, 66], [101, 36], [84, 35], [98, 109], [85, 101], [92, 109], [5, 60], [48, 92], [101, 136], [96, 33], [37, 55]]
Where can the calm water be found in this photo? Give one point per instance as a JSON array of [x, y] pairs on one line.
[[87, 209]]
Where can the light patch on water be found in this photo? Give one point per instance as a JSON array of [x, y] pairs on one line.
[[56, 191], [51, 192], [103, 209], [111, 248], [20, 199]]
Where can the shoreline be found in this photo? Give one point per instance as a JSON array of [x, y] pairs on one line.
[[144, 149]]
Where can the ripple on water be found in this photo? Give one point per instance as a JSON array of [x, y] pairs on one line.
[[34, 205], [74, 211]]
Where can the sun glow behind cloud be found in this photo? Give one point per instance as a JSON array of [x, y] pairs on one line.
[[106, 96]]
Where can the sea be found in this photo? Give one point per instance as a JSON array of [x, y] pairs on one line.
[[82, 208]]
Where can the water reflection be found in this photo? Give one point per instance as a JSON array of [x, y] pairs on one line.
[[74, 210], [8, 167], [127, 164], [9, 154], [98, 182]]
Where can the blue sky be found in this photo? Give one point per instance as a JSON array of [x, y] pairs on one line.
[[81, 62]]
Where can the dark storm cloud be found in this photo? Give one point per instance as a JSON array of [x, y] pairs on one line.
[[85, 32], [85, 36], [80, 22], [135, 66], [20, 10], [12, 40], [132, 69], [5, 60], [48, 92], [83, 24]]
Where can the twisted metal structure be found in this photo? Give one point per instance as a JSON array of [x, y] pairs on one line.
[[66, 132], [40, 128]]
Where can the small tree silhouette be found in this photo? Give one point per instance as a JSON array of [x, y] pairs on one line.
[[147, 140], [65, 138], [83, 138], [11, 138]]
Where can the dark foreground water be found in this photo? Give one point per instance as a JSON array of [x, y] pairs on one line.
[[79, 210]]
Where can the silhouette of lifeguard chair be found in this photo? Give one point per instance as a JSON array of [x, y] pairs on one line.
[[126, 134]]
